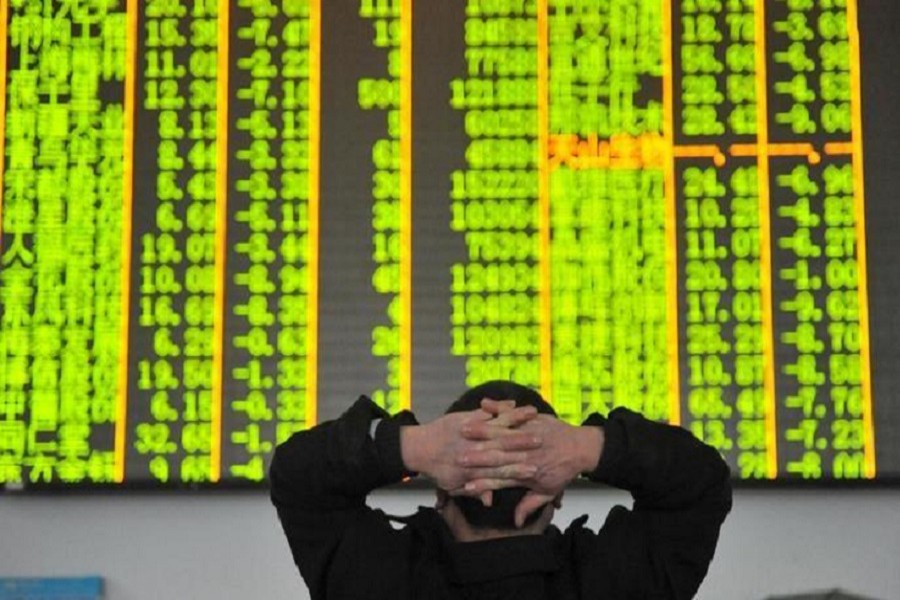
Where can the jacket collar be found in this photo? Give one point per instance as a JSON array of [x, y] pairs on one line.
[[475, 562]]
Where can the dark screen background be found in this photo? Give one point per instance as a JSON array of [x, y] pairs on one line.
[[349, 307]]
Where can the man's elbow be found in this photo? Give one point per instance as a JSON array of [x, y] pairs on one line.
[[285, 472], [717, 495]]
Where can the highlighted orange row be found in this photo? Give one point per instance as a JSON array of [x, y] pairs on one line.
[[621, 151], [700, 151], [648, 151], [792, 149]]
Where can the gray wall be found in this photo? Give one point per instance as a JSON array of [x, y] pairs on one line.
[[230, 546]]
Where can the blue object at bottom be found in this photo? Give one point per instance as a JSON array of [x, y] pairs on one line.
[[51, 588]]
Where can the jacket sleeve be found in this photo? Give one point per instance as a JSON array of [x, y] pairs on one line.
[[320, 479], [662, 547]]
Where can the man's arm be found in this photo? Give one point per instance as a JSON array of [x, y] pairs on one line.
[[320, 479], [682, 494]]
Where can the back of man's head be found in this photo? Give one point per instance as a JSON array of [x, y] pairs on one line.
[[501, 513]]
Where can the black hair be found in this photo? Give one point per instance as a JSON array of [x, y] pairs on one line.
[[501, 514]]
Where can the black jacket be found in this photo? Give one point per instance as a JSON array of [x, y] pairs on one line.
[[345, 550]]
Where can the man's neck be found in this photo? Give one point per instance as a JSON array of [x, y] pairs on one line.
[[463, 531], [467, 533]]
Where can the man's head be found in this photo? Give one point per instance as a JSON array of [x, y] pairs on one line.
[[501, 514]]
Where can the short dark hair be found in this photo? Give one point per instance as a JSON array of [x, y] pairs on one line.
[[501, 514]]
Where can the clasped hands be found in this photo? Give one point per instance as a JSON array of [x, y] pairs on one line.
[[500, 446]]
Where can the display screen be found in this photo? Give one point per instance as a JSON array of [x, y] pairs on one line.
[[224, 220]]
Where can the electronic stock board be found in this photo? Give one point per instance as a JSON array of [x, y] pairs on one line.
[[222, 220]]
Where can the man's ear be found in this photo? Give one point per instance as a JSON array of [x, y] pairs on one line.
[[441, 497], [557, 501]]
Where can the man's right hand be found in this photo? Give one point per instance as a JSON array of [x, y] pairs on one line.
[[442, 452], [565, 452]]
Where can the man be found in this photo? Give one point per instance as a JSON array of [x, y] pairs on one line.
[[500, 460]]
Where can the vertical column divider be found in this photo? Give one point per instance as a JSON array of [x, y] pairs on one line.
[[315, 131], [4, 17], [671, 218], [861, 258], [220, 238], [765, 239], [406, 158], [131, 37], [543, 116]]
